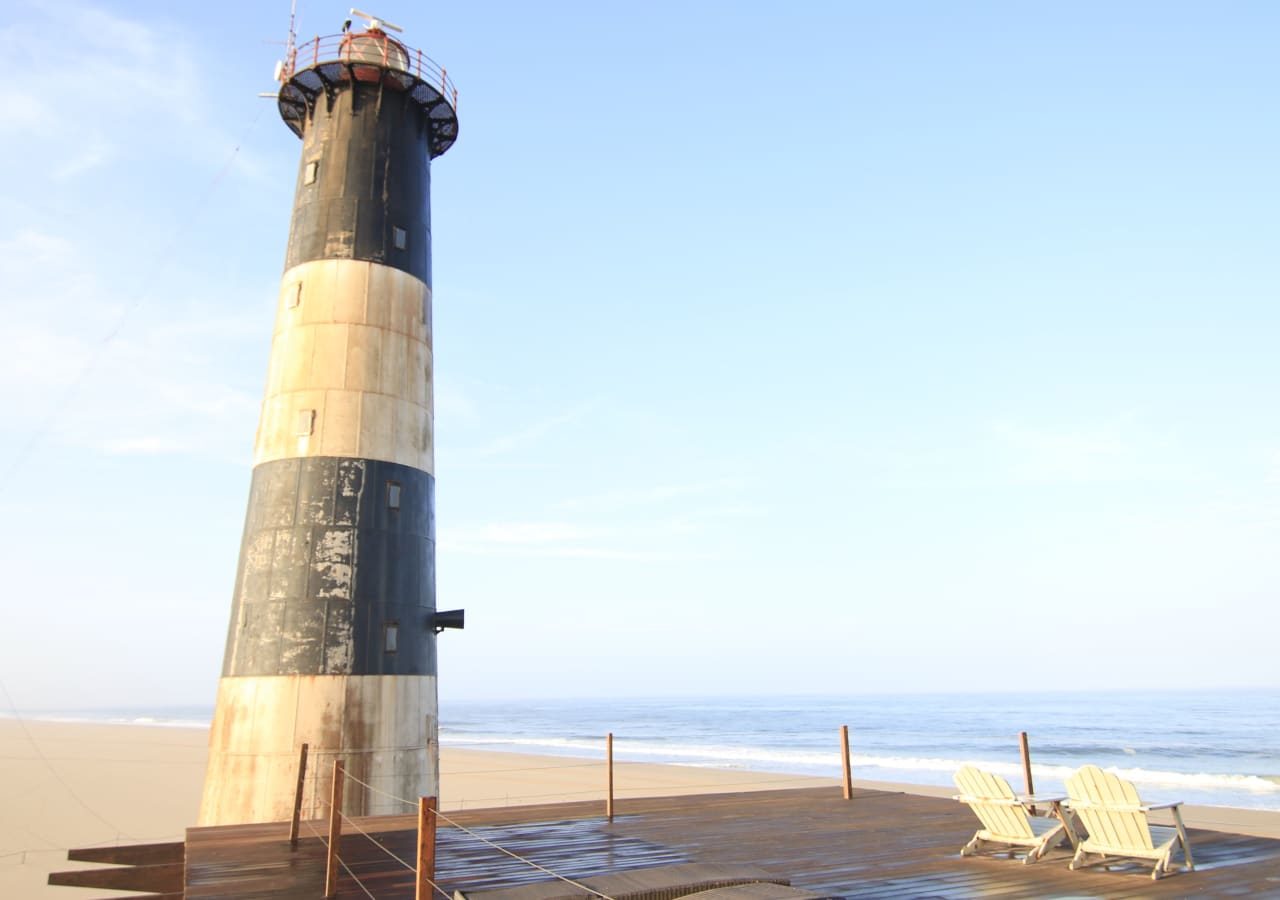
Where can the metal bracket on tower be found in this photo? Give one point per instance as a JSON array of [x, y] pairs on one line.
[[446, 618]]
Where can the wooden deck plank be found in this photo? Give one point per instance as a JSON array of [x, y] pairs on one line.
[[877, 845], [159, 879], [130, 854]]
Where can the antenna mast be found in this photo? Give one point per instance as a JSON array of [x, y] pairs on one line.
[[291, 46]]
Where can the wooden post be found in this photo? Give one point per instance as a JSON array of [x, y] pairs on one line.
[[297, 798], [844, 757], [335, 829], [426, 847], [608, 756], [1026, 767]]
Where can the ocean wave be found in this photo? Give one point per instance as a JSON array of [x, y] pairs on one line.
[[594, 745], [806, 762], [1206, 781], [152, 721], [159, 722], [1188, 750]]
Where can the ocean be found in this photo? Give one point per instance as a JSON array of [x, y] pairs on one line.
[[1220, 748], [1206, 747]]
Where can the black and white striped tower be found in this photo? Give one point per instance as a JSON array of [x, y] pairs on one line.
[[333, 621]]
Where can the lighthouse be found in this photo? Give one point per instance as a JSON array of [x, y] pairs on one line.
[[332, 638]]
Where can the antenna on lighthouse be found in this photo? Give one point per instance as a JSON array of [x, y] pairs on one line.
[[374, 23], [291, 47], [284, 67]]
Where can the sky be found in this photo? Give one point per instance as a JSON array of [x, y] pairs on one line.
[[807, 348]]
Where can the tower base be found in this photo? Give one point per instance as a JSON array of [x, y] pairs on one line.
[[260, 724]]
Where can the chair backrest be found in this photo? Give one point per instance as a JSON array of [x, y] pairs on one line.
[[980, 789], [1110, 808]]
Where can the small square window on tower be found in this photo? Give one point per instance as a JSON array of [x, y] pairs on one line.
[[390, 636], [310, 172], [294, 298], [393, 495], [400, 237], [306, 422]]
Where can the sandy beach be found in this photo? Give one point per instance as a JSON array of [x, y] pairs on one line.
[[65, 785]]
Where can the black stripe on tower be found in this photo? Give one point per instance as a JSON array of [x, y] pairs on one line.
[[364, 184], [336, 552]]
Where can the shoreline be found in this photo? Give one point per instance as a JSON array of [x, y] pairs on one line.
[[528, 772], [86, 784]]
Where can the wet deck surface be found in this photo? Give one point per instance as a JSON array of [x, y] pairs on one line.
[[878, 845]]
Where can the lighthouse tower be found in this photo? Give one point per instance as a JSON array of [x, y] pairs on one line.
[[332, 640]]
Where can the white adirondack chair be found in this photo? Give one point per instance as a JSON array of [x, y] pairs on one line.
[[1004, 817], [1109, 808]]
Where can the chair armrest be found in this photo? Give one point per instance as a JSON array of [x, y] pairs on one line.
[[1032, 799], [1117, 807], [990, 801]]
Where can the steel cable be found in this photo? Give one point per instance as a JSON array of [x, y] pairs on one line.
[[387, 850], [485, 840], [341, 861]]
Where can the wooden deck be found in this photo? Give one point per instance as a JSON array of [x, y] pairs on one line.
[[878, 845]]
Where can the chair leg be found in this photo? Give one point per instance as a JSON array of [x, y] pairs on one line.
[[1182, 839], [1051, 840]]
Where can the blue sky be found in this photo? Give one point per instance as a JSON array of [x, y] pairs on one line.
[[837, 348]]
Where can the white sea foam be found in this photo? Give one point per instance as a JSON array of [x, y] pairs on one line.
[[803, 762], [1212, 755], [90, 718]]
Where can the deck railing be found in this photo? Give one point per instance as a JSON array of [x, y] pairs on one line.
[[374, 48]]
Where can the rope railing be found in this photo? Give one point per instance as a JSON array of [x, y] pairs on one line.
[[470, 833], [430, 813], [632, 791], [428, 816], [380, 792], [316, 780], [381, 846], [526, 861], [343, 863]]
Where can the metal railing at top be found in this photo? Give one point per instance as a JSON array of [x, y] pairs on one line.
[[374, 48]]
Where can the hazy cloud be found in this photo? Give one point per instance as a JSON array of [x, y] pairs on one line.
[[566, 540], [105, 84], [532, 434], [651, 495], [159, 385], [1096, 452]]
